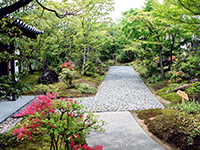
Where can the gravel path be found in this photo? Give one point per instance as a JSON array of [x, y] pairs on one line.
[[122, 90]]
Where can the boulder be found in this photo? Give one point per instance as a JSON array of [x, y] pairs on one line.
[[48, 77]]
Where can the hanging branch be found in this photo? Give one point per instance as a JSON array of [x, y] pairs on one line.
[[16, 6], [187, 8], [59, 16]]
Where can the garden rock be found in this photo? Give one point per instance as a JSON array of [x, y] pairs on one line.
[[182, 87], [48, 77]]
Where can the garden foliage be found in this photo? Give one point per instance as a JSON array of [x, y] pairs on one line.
[[61, 118], [67, 74], [85, 88], [178, 128]]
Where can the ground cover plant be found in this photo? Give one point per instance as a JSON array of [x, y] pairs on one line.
[[62, 120], [63, 89], [178, 129]]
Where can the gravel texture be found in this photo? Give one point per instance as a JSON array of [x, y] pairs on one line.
[[122, 90]]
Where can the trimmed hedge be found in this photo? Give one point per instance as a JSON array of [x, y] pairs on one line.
[[178, 128], [146, 114]]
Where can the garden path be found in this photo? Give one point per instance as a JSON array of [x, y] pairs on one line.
[[122, 90]]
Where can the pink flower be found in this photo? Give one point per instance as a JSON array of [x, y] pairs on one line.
[[177, 80], [48, 123], [54, 126], [70, 114], [71, 138], [98, 147], [77, 136], [43, 113], [29, 137], [81, 116], [52, 111], [19, 136], [72, 144]]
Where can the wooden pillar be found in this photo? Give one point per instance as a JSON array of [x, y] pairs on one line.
[[12, 70]]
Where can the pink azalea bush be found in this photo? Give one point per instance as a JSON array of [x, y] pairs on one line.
[[68, 73], [67, 65], [175, 77], [61, 118]]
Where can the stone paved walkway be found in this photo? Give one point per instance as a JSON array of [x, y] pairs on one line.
[[122, 90], [7, 108]]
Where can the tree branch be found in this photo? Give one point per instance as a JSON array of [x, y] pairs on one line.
[[9, 9], [187, 8], [59, 16]]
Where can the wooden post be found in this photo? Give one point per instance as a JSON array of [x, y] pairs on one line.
[[12, 64]]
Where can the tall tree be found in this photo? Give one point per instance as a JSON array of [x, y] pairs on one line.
[[89, 23], [182, 13]]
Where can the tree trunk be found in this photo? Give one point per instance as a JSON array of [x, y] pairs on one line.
[[161, 62], [84, 57], [171, 51], [13, 96]]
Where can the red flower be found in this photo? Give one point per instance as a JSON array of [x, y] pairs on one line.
[[54, 126], [77, 136], [70, 114], [81, 116]]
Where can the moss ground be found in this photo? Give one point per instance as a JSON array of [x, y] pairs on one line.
[[60, 87]]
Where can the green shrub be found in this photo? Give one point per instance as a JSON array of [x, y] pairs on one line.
[[126, 56], [110, 62], [85, 88], [155, 78], [194, 90], [179, 128], [145, 114], [67, 75], [188, 106], [8, 140], [159, 85], [89, 68]]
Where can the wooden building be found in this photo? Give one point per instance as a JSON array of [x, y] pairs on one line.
[[9, 68]]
